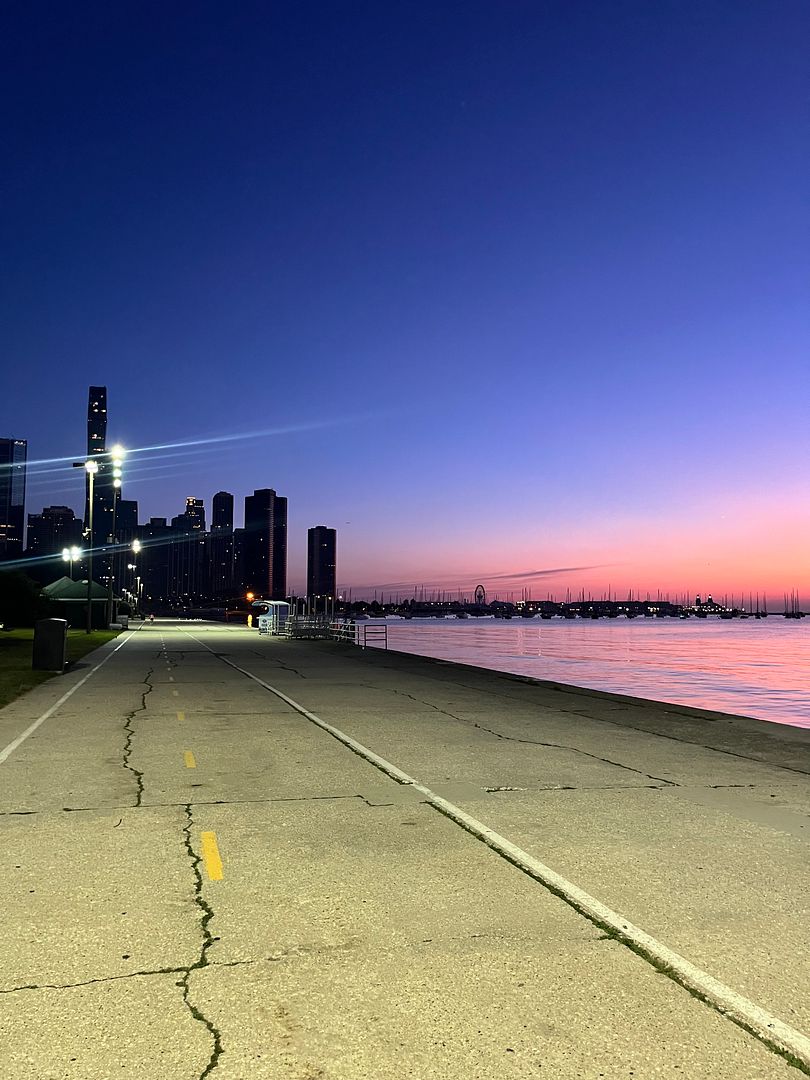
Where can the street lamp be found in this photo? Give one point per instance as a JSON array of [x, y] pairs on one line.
[[133, 566], [70, 555], [117, 457], [92, 469]]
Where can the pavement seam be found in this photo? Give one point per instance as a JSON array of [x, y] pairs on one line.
[[533, 742], [207, 942], [130, 735], [197, 802]]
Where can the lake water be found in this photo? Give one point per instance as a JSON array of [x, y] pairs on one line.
[[752, 667]]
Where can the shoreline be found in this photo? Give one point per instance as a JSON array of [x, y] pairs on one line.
[[727, 675], [656, 716]]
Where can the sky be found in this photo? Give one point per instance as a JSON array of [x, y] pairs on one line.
[[511, 293]]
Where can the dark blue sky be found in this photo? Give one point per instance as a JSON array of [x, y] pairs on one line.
[[530, 277]]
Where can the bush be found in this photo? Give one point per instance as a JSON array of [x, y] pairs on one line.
[[21, 601]]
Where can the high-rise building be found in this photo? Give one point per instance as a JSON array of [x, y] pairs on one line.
[[153, 562], [220, 549], [195, 510], [126, 530], [222, 511], [97, 420], [187, 563], [186, 567], [56, 528], [13, 455], [239, 560], [105, 494], [265, 544], [127, 520], [321, 561]]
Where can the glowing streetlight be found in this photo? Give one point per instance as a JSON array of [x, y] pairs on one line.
[[70, 555]]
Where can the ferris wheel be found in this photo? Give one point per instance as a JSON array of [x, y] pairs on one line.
[[480, 594]]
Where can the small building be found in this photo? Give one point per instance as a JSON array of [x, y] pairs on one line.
[[71, 596]]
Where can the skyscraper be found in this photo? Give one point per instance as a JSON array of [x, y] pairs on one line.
[[220, 551], [321, 561], [222, 511], [265, 544], [97, 420], [187, 551], [195, 509], [13, 455], [104, 493], [57, 527]]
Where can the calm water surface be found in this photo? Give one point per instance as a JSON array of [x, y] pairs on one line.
[[757, 668]]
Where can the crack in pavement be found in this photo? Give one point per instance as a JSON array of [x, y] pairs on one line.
[[130, 735], [534, 742], [92, 982], [574, 691], [281, 954], [689, 742], [285, 667], [207, 942], [197, 802]]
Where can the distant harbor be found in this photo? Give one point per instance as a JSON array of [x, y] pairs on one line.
[[583, 608]]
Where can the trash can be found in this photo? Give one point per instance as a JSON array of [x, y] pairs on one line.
[[124, 620], [50, 645]]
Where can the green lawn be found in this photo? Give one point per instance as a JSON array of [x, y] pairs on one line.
[[16, 647]]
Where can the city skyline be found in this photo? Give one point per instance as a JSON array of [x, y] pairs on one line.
[[499, 292], [597, 581]]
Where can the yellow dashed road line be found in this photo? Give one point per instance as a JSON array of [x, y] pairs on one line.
[[188, 757], [210, 854]]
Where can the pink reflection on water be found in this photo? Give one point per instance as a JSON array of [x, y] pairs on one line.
[[758, 668]]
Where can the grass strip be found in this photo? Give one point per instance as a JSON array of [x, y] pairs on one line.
[[16, 653]]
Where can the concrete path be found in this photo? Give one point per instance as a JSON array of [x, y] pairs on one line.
[[490, 880]]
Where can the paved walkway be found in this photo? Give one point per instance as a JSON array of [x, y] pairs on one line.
[[462, 876]]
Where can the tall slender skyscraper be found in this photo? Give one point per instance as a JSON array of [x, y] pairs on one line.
[[220, 551], [321, 561], [104, 493], [13, 456], [265, 544], [97, 420]]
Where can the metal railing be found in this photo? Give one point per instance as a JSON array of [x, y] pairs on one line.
[[322, 628], [377, 633]]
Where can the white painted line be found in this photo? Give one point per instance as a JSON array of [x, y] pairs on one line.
[[12, 746], [747, 1014]]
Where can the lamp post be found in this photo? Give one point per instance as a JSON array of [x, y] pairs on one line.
[[70, 555], [117, 455], [92, 469], [133, 566]]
